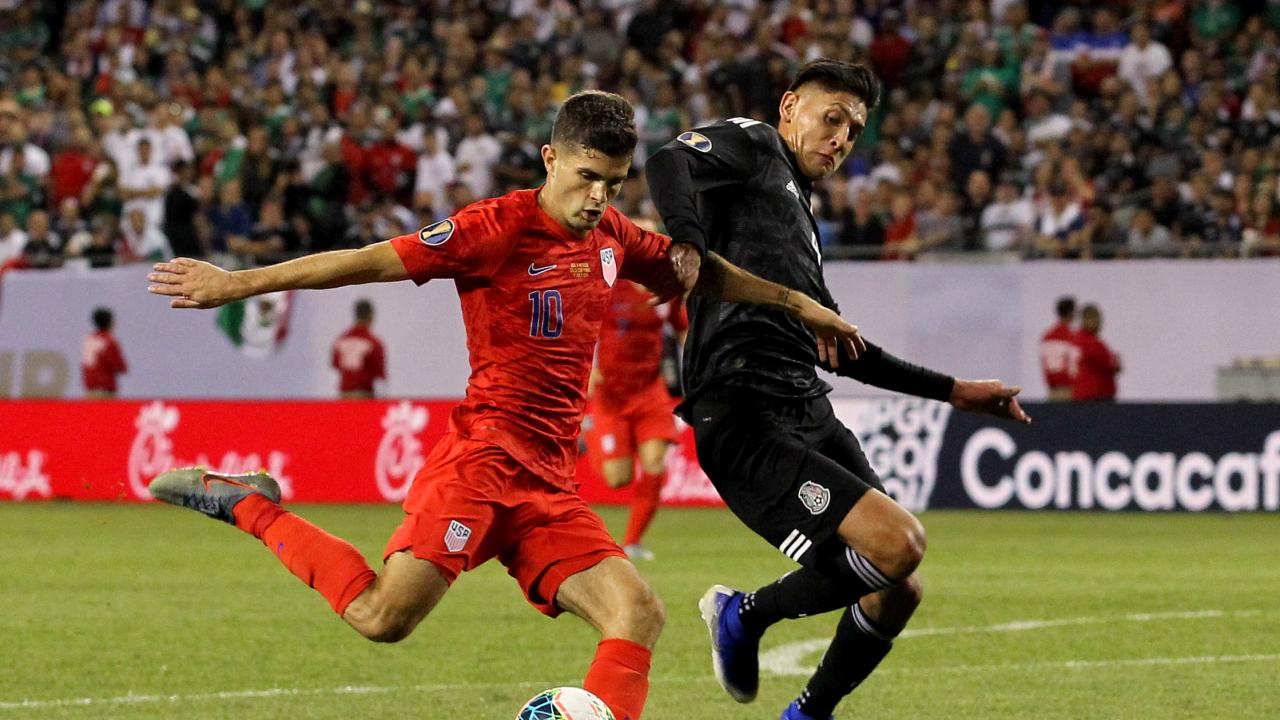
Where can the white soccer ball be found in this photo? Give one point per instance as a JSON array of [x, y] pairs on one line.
[[565, 703]]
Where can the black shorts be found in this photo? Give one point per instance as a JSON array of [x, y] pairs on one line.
[[787, 468]]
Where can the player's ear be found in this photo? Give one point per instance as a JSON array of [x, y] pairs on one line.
[[787, 107], [549, 159]]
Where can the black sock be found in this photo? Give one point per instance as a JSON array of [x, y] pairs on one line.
[[839, 579], [858, 647]]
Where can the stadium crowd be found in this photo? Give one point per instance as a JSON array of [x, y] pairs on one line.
[[245, 131]]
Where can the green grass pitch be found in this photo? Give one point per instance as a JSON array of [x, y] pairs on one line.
[[116, 611]]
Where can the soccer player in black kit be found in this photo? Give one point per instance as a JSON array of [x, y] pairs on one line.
[[765, 431]]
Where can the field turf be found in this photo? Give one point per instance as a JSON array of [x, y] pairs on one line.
[[114, 611]]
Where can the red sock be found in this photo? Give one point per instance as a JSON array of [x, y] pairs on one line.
[[620, 677], [643, 505], [325, 562]]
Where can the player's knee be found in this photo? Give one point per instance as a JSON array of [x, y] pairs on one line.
[[382, 624], [905, 551], [618, 477], [641, 619]]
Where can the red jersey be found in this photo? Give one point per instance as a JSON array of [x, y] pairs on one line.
[[533, 296], [1058, 356], [1096, 371], [630, 353], [360, 359], [100, 361], [70, 173]]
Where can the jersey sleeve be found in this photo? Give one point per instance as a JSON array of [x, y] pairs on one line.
[[471, 244], [378, 362], [699, 160], [644, 257]]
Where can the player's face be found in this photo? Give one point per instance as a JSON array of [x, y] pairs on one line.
[[580, 185], [821, 127]]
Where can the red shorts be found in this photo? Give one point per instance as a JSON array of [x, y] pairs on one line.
[[618, 427], [472, 502]]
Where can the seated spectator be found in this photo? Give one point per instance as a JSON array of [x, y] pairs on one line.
[[1099, 238], [1143, 61], [44, 248], [12, 239], [99, 245], [230, 221], [900, 242], [1058, 223], [1148, 238], [142, 240], [68, 221], [1007, 223], [181, 212], [270, 239], [143, 185], [940, 227]]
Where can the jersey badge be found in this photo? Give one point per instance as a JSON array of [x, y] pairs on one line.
[[456, 537], [436, 233], [791, 185], [608, 265], [815, 497], [697, 141]]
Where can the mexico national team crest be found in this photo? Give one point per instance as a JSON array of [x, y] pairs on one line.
[[608, 266], [456, 537], [436, 233], [815, 497]]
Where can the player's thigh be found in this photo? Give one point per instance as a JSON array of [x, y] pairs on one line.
[[407, 589], [613, 598], [652, 455], [772, 476], [618, 472]]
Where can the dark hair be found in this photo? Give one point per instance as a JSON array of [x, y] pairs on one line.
[[1091, 309], [840, 76], [598, 121], [364, 310], [102, 318], [1066, 307]]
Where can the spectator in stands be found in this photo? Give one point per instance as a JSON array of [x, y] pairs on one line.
[[143, 184], [258, 169], [1097, 366], [99, 245], [476, 155], [1148, 238], [12, 240], [20, 186], [230, 221], [1099, 237], [976, 148], [68, 221], [72, 167], [182, 212], [1007, 223], [142, 240], [44, 248], [100, 357], [1143, 61], [359, 356], [1059, 352], [1059, 223], [436, 169]]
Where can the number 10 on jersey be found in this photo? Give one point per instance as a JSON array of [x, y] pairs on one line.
[[548, 314]]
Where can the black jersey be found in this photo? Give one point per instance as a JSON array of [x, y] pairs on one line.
[[734, 188]]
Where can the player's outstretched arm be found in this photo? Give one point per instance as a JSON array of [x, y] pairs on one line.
[[722, 280], [198, 284]]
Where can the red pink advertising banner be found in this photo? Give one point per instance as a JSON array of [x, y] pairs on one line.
[[358, 451]]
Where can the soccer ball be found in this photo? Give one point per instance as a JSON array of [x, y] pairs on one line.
[[565, 703]]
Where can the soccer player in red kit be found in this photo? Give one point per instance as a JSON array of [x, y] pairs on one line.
[[534, 270], [1059, 352], [359, 356], [100, 357], [631, 410]]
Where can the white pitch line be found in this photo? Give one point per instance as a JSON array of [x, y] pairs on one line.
[[787, 660], [783, 660]]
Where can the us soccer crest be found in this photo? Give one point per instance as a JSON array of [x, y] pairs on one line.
[[456, 537], [609, 266], [815, 497]]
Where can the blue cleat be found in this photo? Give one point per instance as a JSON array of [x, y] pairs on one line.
[[734, 651], [213, 494], [793, 713]]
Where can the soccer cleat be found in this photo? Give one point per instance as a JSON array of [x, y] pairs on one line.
[[636, 551], [734, 651], [213, 494], [793, 713]]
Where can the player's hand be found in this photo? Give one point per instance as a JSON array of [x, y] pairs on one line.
[[194, 283], [832, 330], [686, 262], [991, 397]]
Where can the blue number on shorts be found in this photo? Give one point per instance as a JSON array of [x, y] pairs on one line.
[[548, 314]]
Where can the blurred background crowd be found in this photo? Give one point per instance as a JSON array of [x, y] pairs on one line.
[[247, 131]]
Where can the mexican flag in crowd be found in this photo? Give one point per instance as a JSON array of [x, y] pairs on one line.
[[258, 325]]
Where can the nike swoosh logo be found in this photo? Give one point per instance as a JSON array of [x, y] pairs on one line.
[[535, 270], [210, 478]]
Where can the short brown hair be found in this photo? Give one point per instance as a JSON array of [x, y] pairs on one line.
[[597, 120]]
